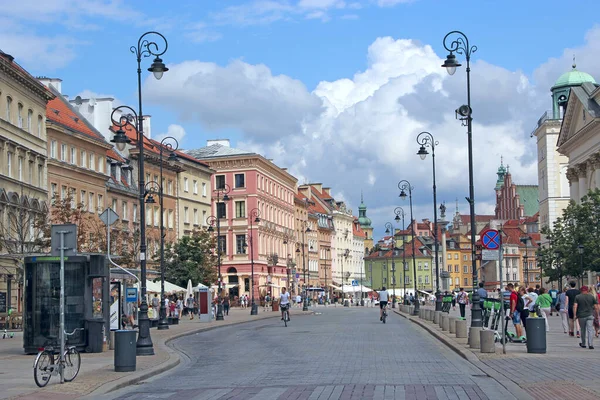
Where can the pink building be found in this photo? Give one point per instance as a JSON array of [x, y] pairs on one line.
[[253, 184]]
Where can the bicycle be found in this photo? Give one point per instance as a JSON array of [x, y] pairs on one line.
[[286, 313], [47, 363], [384, 315]]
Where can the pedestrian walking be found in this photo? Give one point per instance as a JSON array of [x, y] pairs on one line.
[[573, 322], [226, 305], [584, 307], [155, 305], [563, 309], [544, 301], [190, 305], [463, 300]]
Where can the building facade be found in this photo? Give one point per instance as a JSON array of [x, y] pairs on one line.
[[514, 201], [252, 183], [23, 172]]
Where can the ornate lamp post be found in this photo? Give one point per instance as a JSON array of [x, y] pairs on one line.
[[400, 215], [460, 45], [305, 229], [254, 217], [405, 185], [525, 240], [580, 251], [211, 221], [145, 48], [345, 255], [389, 228], [327, 252], [425, 139]]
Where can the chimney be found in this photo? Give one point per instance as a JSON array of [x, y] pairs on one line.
[[97, 112], [318, 186], [304, 191], [56, 83], [327, 191], [222, 142], [146, 126]]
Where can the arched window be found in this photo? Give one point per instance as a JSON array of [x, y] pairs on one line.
[[40, 126], [8, 106], [232, 275], [20, 115], [29, 120]]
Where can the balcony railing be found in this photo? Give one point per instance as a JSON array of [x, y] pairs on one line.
[[547, 115]]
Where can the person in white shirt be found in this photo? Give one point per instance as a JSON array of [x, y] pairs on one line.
[[284, 302], [383, 300]]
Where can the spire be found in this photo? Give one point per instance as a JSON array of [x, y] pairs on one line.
[[363, 220], [501, 173], [574, 64], [361, 197], [457, 206]]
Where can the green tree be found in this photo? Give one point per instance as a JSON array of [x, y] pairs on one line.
[[573, 240], [191, 257]]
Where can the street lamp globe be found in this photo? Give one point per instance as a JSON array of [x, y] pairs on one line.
[[120, 139], [397, 219], [450, 64], [172, 157], [422, 152], [580, 249], [158, 68], [402, 194]]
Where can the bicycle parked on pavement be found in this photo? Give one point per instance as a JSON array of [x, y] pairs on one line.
[[48, 362], [285, 308]]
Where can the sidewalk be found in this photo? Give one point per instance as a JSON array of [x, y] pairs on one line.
[[565, 371], [97, 370]]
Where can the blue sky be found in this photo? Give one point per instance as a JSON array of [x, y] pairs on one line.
[[315, 85]]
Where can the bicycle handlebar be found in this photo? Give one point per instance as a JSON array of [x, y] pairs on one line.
[[72, 333]]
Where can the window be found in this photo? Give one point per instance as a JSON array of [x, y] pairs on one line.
[[170, 220], [84, 163], [8, 106], [203, 217], [195, 216], [222, 242], [419, 266], [92, 161], [449, 256], [63, 152], [63, 192], [425, 266], [170, 187], [73, 196], [29, 120], [20, 166], [456, 268], [420, 279], [514, 277], [406, 279], [83, 198], [40, 125], [457, 281], [221, 210], [73, 156], [220, 181], [156, 216], [239, 181], [148, 215], [100, 203], [456, 256], [195, 186], [91, 198], [20, 115], [186, 185], [240, 209], [41, 179], [449, 268], [53, 191], [186, 215], [9, 164], [135, 213], [114, 205], [465, 269], [53, 149], [124, 215], [204, 189], [426, 279], [101, 164], [240, 240]]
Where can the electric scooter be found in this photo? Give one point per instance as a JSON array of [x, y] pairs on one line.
[[510, 336]]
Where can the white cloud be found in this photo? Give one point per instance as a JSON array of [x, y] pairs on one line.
[[173, 131], [359, 132]]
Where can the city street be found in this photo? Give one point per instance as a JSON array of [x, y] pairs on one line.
[[337, 353]]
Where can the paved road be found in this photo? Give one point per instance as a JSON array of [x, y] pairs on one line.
[[340, 353]]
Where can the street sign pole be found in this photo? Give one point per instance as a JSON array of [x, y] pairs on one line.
[[502, 310]]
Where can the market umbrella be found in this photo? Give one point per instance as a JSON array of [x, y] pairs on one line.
[[190, 289]]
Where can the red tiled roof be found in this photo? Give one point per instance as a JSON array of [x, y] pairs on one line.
[[179, 153], [356, 230], [114, 155], [466, 219], [59, 110]]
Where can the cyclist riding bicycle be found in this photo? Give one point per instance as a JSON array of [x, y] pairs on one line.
[[383, 300], [284, 302]]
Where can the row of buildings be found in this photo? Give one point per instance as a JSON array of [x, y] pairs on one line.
[[57, 150]]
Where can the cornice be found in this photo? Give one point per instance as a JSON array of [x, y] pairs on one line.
[[255, 161], [25, 80], [60, 128]]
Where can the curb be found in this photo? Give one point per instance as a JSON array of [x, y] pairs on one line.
[[471, 357], [172, 361]]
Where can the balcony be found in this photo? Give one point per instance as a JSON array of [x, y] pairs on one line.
[[546, 116]]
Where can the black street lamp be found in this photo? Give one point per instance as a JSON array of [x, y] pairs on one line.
[[389, 228], [145, 48], [525, 240], [460, 45], [305, 229], [404, 185], [212, 220], [327, 252], [425, 139], [557, 257], [400, 215], [253, 217], [580, 251], [171, 145]]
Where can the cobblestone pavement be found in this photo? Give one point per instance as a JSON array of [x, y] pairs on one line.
[[338, 353]]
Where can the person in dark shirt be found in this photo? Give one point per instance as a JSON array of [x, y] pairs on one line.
[[537, 289], [573, 323], [584, 307]]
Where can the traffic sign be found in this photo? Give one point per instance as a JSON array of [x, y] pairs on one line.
[[490, 255], [354, 283], [490, 239]]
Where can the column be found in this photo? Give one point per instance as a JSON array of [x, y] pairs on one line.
[[573, 183], [582, 173], [594, 167]]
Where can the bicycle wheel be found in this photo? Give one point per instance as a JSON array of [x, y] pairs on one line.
[[285, 317], [72, 364], [384, 316], [42, 370]]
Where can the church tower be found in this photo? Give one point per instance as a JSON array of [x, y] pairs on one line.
[[365, 224]]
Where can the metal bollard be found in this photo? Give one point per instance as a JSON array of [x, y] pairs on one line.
[[452, 324], [474, 337], [445, 323], [461, 328], [486, 340], [436, 317]]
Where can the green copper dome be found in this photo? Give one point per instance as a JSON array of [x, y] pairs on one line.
[[501, 172], [363, 220], [573, 78]]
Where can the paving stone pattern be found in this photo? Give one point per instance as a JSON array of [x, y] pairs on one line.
[[341, 353]]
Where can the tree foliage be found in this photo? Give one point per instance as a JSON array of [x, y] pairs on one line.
[[191, 257], [579, 226]]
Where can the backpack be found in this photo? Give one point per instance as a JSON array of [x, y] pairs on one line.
[[520, 304]]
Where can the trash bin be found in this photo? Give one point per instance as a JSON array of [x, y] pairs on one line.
[[95, 332], [275, 305], [536, 335], [125, 350]]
